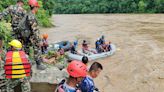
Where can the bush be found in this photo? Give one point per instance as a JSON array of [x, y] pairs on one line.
[[108, 6], [43, 16], [49, 6], [5, 32]]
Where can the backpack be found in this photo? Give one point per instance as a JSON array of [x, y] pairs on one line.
[[23, 23], [60, 86], [23, 27]]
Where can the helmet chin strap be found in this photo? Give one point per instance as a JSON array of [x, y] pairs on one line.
[[76, 79]]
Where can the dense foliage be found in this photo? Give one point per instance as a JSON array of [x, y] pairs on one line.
[[49, 6], [108, 6], [5, 32]]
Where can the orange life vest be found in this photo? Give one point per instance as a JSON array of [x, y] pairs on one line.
[[17, 65]]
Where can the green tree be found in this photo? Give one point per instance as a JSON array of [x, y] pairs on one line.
[[159, 6], [108, 6], [49, 5], [142, 6]]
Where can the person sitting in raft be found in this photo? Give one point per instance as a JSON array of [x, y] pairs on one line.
[[73, 49], [75, 43], [85, 45], [44, 43], [98, 46], [61, 51], [109, 46], [85, 48], [104, 47], [102, 39]]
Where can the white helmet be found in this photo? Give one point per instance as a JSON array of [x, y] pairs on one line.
[[98, 38]]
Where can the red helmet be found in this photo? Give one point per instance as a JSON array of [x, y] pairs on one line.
[[77, 69], [33, 3]]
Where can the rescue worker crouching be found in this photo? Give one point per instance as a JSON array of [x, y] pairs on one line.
[[77, 71]]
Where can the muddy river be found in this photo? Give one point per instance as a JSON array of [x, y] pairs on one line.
[[137, 65]]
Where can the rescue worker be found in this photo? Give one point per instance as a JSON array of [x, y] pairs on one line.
[[88, 85], [17, 68], [104, 47], [98, 46], [30, 36], [44, 44], [86, 49], [109, 46], [73, 49], [102, 39], [85, 46], [77, 71], [17, 13]]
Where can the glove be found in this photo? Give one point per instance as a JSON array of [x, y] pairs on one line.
[[60, 89]]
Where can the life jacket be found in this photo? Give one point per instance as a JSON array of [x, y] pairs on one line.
[[102, 41], [87, 85], [97, 44], [17, 65], [85, 46]]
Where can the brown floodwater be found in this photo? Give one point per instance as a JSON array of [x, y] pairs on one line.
[[137, 65]]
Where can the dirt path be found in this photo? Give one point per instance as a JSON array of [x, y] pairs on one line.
[[138, 64]]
